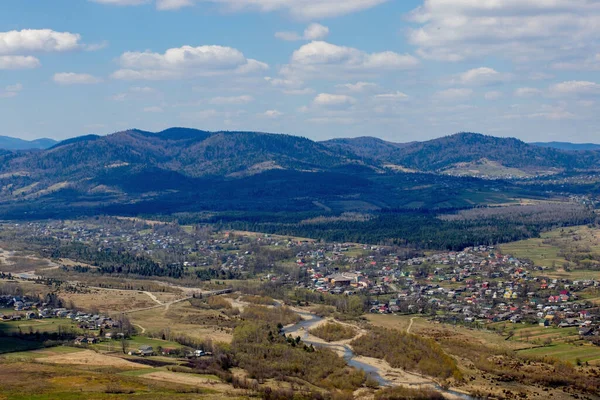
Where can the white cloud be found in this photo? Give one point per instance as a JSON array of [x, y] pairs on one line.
[[303, 9], [453, 94], [142, 89], [153, 109], [333, 100], [272, 114], [232, 100], [38, 40], [454, 30], [299, 92], [316, 32], [553, 112], [589, 63], [289, 86], [19, 62], [321, 59], [122, 2], [482, 76], [136, 91], [312, 32], [11, 90], [357, 87], [575, 88], [528, 92], [493, 95], [173, 4], [186, 61], [392, 96], [72, 78]]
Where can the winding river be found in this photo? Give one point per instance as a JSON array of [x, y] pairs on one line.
[[310, 320]]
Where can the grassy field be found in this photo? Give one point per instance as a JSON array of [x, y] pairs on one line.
[[8, 344], [551, 248], [568, 352], [41, 325], [134, 344]]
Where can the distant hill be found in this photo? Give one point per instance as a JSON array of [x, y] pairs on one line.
[[568, 146], [465, 148], [11, 143], [367, 147], [181, 170]]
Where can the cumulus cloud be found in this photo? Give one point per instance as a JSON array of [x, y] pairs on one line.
[[357, 87], [272, 114], [173, 4], [482, 76], [453, 94], [320, 58], [186, 61], [333, 100], [303, 9], [312, 32], [588, 63], [232, 100], [38, 40], [527, 92], [122, 2], [72, 78], [11, 90], [19, 62], [289, 86], [575, 88], [455, 30], [392, 96]]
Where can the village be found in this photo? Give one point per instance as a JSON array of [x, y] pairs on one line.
[[477, 287]]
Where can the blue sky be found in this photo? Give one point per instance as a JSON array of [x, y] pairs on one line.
[[401, 70]]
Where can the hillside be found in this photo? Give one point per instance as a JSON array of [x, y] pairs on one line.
[[568, 146], [453, 151], [186, 170], [367, 147], [192, 153], [10, 143]]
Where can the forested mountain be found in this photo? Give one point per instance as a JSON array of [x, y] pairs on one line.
[[187, 170], [568, 146], [189, 152], [446, 152], [367, 147], [10, 143]]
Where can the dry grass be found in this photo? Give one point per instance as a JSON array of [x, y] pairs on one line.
[[109, 300], [183, 319], [89, 357]]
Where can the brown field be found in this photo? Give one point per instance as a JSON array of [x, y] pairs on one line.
[[89, 357], [108, 301], [182, 318], [102, 378], [421, 326]]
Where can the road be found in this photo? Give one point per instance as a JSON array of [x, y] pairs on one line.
[[410, 325]]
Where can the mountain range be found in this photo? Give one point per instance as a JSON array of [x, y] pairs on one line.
[[182, 169], [11, 143]]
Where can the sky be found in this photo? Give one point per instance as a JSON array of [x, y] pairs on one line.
[[401, 70]]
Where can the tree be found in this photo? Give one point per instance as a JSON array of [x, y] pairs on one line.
[[124, 346]]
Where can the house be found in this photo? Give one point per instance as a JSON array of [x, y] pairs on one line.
[[83, 340], [146, 351], [586, 331]]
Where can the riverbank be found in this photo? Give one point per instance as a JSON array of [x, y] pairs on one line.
[[378, 369]]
